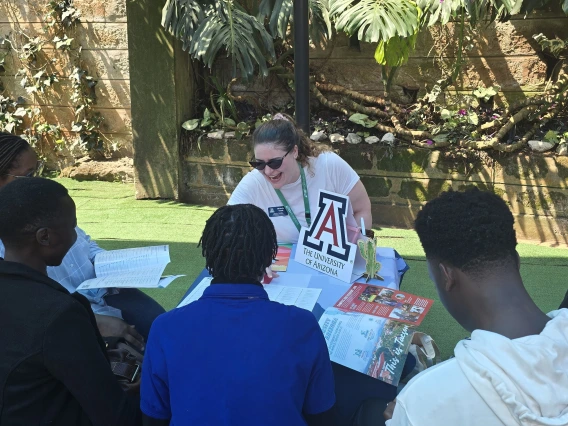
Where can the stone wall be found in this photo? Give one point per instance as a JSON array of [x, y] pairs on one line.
[[102, 33], [503, 53], [400, 180]]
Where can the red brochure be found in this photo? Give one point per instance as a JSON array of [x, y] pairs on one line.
[[385, 303]]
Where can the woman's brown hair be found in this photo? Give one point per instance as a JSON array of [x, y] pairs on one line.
[[285, 134]]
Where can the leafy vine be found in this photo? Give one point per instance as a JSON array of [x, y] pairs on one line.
[[39, 74]]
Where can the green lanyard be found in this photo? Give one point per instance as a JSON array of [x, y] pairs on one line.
[[306, 202]]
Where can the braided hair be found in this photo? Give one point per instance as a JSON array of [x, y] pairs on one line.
[[238, 243], [11, 146], [285, 134]]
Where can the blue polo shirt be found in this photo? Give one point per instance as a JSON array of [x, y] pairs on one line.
[[235, 358]]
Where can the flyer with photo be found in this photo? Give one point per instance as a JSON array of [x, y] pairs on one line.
[[375, 346], [385, 303], [280, 264]]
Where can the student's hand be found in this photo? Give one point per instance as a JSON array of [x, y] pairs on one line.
[[389, 410], [116, 327], [271, 274]]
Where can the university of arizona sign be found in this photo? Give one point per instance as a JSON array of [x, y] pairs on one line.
[[325, 247]]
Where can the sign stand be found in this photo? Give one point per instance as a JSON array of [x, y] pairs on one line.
[[324, 246]]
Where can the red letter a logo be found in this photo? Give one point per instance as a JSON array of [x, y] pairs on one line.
[[330, 215]]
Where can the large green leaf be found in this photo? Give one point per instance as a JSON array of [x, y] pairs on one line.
[[209, 27], [436, 11], [395, 51], [375, 20], [565, 6], [491, 10], [182, 17], [280, 13]]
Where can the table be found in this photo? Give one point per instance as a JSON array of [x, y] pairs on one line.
[[351, 387], [393, 269]]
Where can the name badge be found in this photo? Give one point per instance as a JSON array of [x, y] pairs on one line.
[[277, 211]]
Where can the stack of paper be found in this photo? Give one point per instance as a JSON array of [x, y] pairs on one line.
[[140, 267]]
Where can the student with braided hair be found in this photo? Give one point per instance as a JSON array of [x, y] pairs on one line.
[[127, 313], [233, 357]]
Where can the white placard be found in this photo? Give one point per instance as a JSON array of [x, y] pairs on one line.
[[325, 246]]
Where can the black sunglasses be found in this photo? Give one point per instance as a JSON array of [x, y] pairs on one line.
[[273, 163]]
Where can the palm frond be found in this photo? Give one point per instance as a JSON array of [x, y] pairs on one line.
[[375, 20], [230, 28], [280, 13], [182, 17], [439, 12], [492, 10], [320, 23]]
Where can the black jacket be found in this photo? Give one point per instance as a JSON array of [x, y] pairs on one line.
[[53, 365]]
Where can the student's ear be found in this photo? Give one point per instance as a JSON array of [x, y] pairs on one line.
[[447, 273], [42, 236]]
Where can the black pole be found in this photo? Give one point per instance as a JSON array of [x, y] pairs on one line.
[[302, 64]]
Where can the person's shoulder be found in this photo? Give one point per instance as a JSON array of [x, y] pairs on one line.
[[248, 188], [81, 233], [254, 177], [295, 317], [330, 160], [443, 380], [326, 156]]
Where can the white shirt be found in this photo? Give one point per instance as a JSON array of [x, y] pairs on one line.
[[494, 381], [327, 171], [78, 266]]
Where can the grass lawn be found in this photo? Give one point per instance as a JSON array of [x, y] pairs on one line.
[[111, 215]]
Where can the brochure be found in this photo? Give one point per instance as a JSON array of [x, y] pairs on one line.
[[370, 329], [140, 267], [371, 345], [385, 302], [280, 264]]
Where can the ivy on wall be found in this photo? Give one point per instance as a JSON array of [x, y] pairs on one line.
[[41, 74]]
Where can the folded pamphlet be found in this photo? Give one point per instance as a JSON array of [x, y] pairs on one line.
[[140, 267], [370, 329]]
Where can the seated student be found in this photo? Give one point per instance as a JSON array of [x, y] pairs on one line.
[[126, 313], [514, 369], [53, 365], [234, 357]]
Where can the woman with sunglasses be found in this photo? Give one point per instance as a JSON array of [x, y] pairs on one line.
[[289, 170], [127, 313]]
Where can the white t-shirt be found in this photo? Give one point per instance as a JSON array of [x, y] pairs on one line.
[[327, 171], [494, 381]]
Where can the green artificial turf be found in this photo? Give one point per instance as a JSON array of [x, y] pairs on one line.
[[111, 215]]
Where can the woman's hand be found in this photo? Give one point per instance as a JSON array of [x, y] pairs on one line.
[[361, 204], [116, 327]]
